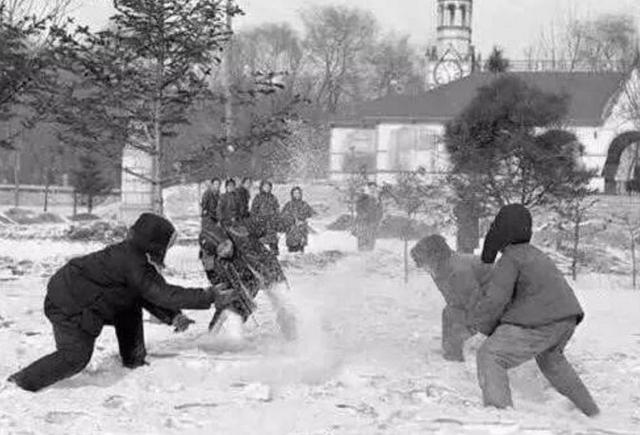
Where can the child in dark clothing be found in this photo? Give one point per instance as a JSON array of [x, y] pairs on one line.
[[529, 311], [111, 287]]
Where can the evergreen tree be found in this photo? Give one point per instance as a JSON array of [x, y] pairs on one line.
[[89, 179], [497, 63]]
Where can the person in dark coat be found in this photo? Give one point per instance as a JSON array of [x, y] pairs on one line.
[[529, 311], [369, 213], [228, 210], [295, 214], [111, 287], [210, 199], [244, 197], [265, 210], [460, 278]]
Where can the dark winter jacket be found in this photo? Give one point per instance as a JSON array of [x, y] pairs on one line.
[[527, 289], [461, 279], [266, 211], [243, 202], [210, 201], [228, 210], [294, 216], [368, 210], [95, 288]]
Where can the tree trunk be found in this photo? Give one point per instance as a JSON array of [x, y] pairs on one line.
[[406, 260], [633, 260], [16, 177], [46, 195], [75, 203], [90, 203], [576, 244]]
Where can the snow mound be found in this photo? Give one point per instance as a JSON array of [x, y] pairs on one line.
[[101, 231]]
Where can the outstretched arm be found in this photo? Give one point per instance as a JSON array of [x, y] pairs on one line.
[[153, 288]]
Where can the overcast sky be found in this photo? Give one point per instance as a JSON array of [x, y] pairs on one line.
[[512, 24]]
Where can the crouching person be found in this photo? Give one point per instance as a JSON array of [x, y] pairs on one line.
[[529, 311], [111, 287], [459, 277]]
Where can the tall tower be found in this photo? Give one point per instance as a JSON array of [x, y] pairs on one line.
[[453, 56]]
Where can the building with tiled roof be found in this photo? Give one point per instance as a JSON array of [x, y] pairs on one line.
[[398, 133]]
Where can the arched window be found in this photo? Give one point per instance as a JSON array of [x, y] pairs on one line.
[[452, 14], [463, 15], [441, 15]]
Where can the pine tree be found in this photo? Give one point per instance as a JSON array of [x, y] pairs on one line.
[[134, 82], [89, 179], [497, 63]]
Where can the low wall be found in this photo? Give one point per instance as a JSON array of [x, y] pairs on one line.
[[33, 195]]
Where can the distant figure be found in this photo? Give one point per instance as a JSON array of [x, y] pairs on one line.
[[112, 287], [244, 197], [228, 210], [369, 213], [295, 214], [265, 210], [210, 199], [460, 278], [529, 311]]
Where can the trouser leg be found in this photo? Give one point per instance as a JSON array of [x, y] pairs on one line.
[[563, 377], [74, 348], [454, 333], [130, 333]]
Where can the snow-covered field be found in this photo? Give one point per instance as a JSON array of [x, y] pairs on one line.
[[368, 360]]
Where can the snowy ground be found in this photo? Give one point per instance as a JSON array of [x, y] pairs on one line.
[[368, 360]]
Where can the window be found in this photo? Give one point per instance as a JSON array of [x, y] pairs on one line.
[[452, 15], [413, 147]]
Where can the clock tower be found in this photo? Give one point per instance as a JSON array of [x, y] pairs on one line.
[[453, 56]]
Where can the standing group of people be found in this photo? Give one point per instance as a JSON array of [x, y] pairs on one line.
[[262, 214]]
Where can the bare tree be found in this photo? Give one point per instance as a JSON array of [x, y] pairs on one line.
[[605, 43], [630, 220], [393, 66], [336, 40]]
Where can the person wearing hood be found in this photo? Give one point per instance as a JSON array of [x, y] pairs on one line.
[[295, 214], [460, 278], [529, 311], [265, 210], [111, 287]]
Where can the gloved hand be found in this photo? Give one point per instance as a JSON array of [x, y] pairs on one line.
[[181, 323]]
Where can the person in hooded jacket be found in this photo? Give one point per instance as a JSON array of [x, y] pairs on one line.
[[265, 210], [529, 311], [111, 287], [295, 214], [228, 209], [460, 278]]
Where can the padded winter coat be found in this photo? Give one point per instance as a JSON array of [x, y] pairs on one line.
[[368, 210], [294, 215], [461, 280], [265, 210], [228, 209], [95, 288], [243, 202], [527, 289], [210, 201]]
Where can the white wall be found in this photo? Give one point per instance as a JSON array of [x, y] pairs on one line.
[[342, 139], [137, 193]]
